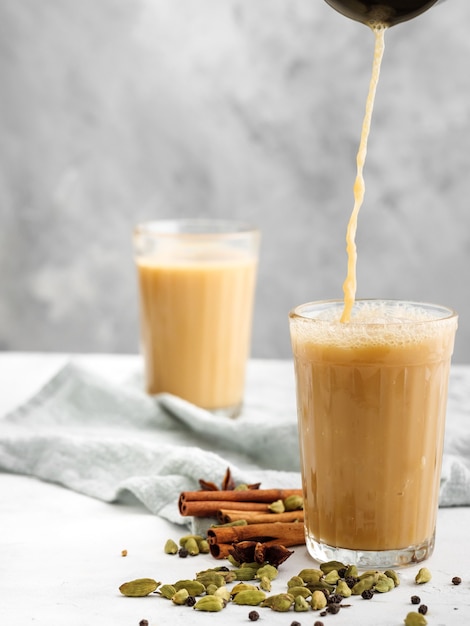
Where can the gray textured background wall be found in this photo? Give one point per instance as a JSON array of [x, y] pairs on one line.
[[115, 111]]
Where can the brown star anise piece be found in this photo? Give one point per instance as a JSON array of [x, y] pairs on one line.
[[258, 552], [228, 484]]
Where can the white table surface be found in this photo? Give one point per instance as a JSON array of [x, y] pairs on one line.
[[60, 552]]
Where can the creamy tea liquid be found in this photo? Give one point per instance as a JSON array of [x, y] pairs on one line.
[[371, 403], [196, 325]]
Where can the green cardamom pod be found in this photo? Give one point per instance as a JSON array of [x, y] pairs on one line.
[[281, 602], [249, 597], [277, 507], [295, 581], [193, 587], [171, 547], [293, 503], [209, 603], [310, 575], [321, 584], [186, 538], [301, 604], [269, 571], [415, 619], [331, 565], [245, 573], [243, 587], [229, 577], [210, 577], [318, 601], [343, 589], [138, 588], [203, 546], [423, 576], [167, 591], [389, 581], [237, 522], [223, 592], [393, 575], [351, 572], [304, 592], [265, 583], [363, 585], [383, 585], [332, 577], [180, 596], [192, 546]]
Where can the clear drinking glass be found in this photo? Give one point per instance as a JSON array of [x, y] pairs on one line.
[[196, 285], [371, 400]]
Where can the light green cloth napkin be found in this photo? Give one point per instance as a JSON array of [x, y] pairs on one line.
[[455, 476], [109, 441], [105, 440]]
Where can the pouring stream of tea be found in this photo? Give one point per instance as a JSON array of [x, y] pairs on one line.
[[350, 284]]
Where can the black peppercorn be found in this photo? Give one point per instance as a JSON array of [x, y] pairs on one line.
[[423, 609], [350, 581], [295, 624], [333, 608], [456, 580], [367, 594], [318, 623], [415, 599], [253, 616], [144, 622], [183, 553], [334, 598], [190, 601]]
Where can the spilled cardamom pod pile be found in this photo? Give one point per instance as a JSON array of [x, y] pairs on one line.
[[322, 590]]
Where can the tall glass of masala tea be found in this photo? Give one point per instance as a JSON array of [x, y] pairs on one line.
[[371, 401]]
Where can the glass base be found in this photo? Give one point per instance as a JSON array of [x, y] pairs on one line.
[[371, 559], [227, 411]]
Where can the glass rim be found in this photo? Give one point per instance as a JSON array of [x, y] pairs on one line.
[[298, 312], [193, 227]]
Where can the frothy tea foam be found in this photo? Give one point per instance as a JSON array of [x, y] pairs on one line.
[[373, 323]]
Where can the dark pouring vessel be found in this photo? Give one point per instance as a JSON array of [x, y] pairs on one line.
[[384, 12]]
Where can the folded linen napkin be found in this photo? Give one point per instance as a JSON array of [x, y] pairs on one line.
[[105, 440], [455, 476], [108, 441]]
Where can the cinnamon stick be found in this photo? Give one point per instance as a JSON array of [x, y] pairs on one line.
[[241, 495], [210, 498], [198, 508], [226, 516], [220, 550], [284, 533]]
